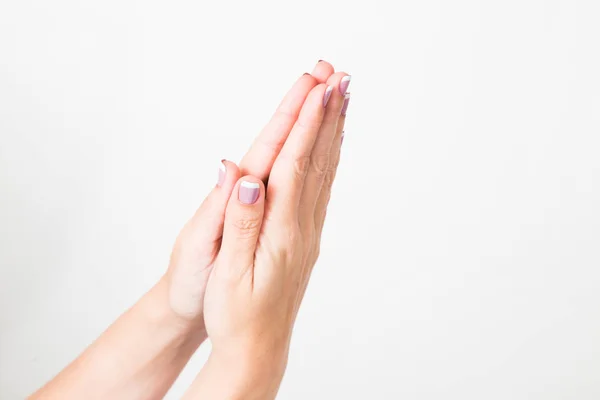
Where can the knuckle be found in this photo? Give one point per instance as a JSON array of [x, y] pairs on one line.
[[246, 226], [301, 165], [320, 164]]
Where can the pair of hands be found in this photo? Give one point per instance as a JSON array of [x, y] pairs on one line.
[[238, 271], [240, 266]]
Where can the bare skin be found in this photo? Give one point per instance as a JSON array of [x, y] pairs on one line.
[[267, 254], [237, 273]]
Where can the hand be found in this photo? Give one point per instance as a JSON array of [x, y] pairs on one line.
[[199, 242], [270, 245], [143, 351]]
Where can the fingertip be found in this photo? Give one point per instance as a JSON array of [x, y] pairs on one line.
[[228, 174], [309, 79], [207, 222], [345, 83], [229, 165], [340, 80], [322, 71]]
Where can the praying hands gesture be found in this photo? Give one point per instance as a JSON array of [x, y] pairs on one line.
[[239, 268]]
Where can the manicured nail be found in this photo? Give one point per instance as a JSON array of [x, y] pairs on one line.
[[249, 192], [327, 95], [344, 83], [222, 173], [346, 102]]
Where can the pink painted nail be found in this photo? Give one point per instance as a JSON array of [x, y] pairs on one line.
[[249, 192], [222, 174], [346, 102], [327, 95], [344, 83]]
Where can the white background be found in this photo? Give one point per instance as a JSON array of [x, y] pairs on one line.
[[462, 254]]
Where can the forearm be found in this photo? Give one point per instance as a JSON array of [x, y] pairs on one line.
[[138, 357], [236, 378]]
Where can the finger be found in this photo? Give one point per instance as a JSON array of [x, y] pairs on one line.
[[321, 155], [322, 71], [206, 226], [325, 194], [263, 152], [345, 106], [290, 167], [198, 244], [243, 220]]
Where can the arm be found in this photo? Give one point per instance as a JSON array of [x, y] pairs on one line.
[[143, 352], [138, 357], [237, 378]]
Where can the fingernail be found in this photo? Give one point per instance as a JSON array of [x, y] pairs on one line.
[[249, 192], [306, 73], [327, 95], [342, 139], [344, 83], [319, 61], [346, 102], [222, 173]]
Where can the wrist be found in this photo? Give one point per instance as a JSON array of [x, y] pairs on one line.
[[262, 367], [159, 313]]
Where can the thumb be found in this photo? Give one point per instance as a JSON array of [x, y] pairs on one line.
[[243, 220], [198, 244], [206, 226]]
